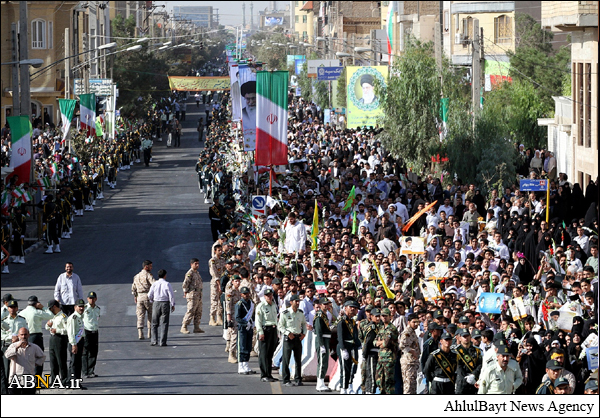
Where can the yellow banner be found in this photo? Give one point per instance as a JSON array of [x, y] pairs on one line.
[[199, 83], [363, 105]]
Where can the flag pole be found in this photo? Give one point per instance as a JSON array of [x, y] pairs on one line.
[[271, 180]]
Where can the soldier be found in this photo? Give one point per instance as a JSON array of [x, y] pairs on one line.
[[440, 368], [370, 350], [192, 291], [431, 344], [140, 288], [244, 312], [322, 332], [58, 343], [35, 314], [5, 239], [91, 314], [215, 213], [266, 328], [216, 267], [292, 325], [223, 282], [11, 324], [409, 362], [52, 220], [387, 341], [348, 345], [19, 227], [75, 332], [503, 376], [232, 296], [469, 360]]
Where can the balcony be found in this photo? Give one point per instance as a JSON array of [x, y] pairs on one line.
[[569, 15]]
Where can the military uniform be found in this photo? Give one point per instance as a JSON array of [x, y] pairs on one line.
[[469, 363], [75, 331], [215, 214], [19, 227], [244, 311], [232, 296], [91, 339], [58, 347], [266, 324], [368, 331], [388, 334], [10, 328], [140, 288], [440, 371], [294, 323], [347, 333], [429, 346], [409, 363], [322, 332], [192, 287], [495, 381], [216, 267], [35, 321]]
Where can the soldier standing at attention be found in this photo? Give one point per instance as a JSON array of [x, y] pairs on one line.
[[58, 343], [140, 288], [387, 341], [266, 328], [348, 344], [91, 314], [216, 267], [244, 311], [469, 360], [431, 344], [322, 340], [409, 362], [370, 351], [214, 214], [11, 323], [440, 368], [232, 296], [75, 332], [192, 291], [292, 325], [35, 314]]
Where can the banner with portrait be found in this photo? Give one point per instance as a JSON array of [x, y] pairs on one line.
[[411, 245], [490, 303], [236, 98], [436, 270], [364, 107], [430, 290], [517, 308], [247, 80]]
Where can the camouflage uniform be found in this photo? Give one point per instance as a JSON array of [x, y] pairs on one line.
[[192, 286], [216, 267], [232, 296], [367, 332], [387, 358], [140, 288], [408, 362]]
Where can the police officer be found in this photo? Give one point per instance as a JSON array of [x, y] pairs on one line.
[[370, 351], [58, 343], [502, 376], [322, 330], [469, 362], [244, 312], [11, 324], [192, 291], [266, 328], [348, 344], [91, 314], [440, 368], [292, 325], [35, 314], [387, 342], [75, 330]]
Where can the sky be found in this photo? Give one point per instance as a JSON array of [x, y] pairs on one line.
[[230, 12]]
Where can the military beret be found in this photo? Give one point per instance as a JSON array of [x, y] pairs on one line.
[[561, 381], [464, 332], [294, 297], [12, 304], [324, 301], [446, 336], [244, 290], [33, 299], [92, 295], [438, 314], [553, 365], [375, 312], [433, 326], [464, 320], [268, 291], [452, 328], [352, 303], [80, 302], [369, 308], [386, 311]]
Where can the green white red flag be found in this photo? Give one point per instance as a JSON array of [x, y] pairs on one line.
[[67, 109], [20, 162], [87, 113], [390, 28], [271, 118]]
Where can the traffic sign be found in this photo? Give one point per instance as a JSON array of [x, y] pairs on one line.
[[529, 185], [258, 205], [329, 73]]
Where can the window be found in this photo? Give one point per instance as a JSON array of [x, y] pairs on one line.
[[304, 18], [50, 35], [588, 105], [297, 19], [38, 34], [502, 29], [468, 28], [305, 36], [579, 100]]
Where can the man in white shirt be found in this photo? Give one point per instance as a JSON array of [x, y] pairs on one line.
[[68, 289], [402, 211], [446, 208], [501, 250], [161, 296], [582, 240], [295, 235]]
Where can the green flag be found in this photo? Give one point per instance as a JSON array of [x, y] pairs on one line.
[[99, 131], [315, 228], [351, 197], [354, 223]]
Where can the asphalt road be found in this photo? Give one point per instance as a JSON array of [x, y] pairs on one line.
[[154, 213]]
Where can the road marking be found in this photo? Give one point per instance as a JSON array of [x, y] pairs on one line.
[[276, 388]]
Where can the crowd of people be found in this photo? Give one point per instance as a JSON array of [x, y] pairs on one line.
[[331, 255]]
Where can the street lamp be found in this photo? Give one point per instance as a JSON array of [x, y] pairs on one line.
[[134, 48], [362, 49], [142, 40], [34, 62], [107, 46], [343, 55]]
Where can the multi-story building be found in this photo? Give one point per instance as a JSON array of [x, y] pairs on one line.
[[199, 15], [573, 132], [303, 20]]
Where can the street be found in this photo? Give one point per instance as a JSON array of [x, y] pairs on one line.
[[154, 213]]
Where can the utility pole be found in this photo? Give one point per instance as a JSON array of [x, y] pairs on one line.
[[67, 65], [476, 70], [481, 65], [23, 55], [16, 109], [243, 15], [251, 16]]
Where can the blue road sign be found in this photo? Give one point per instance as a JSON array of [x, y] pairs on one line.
[[329, 73], [533, 185]]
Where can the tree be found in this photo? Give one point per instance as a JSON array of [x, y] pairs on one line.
[[341, 89], [411, 105]]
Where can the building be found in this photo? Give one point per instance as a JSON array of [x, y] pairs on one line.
[[270, 19], [573, 132], [47, 21], [303, 20], [199, 15]]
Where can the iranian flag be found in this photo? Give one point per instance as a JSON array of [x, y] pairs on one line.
[[67, 108], [271, 118], [87, 113], [20, 162], [390, 28]]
